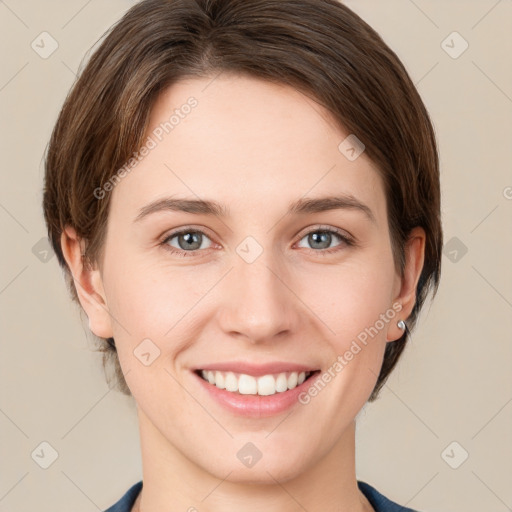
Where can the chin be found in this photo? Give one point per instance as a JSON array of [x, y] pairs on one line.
[[275, 466], [263, 474]]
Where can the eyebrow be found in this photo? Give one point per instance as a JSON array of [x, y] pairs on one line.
[[301, 206]]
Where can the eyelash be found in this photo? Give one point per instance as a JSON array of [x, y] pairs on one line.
[[322, 252]]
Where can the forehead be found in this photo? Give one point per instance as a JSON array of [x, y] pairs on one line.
[[247, 143]]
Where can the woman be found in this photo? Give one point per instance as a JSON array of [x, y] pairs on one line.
[[245, 198]]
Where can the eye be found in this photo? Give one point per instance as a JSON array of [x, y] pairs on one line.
[[321, 239], [186, 241]]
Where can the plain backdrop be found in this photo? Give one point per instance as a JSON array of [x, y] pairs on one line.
[[437, 439]]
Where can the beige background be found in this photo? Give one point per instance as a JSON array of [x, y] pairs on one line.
[[454, 382]]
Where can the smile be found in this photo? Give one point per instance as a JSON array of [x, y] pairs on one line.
[[255, 389], [263, 385]]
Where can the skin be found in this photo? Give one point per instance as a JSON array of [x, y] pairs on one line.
[[270, 145]]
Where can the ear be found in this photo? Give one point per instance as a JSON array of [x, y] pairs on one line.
[[88, 283], [406, 285]]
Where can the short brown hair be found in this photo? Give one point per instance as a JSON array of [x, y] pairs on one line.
[[319, 47]]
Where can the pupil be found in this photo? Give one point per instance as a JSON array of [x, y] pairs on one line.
[[316, 238], [191, 238]]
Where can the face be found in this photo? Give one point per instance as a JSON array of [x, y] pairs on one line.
[[273, 284]]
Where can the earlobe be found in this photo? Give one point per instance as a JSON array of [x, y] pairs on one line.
[[414, 259], [88, 284]]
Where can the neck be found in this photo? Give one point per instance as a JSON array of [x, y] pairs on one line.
[[172, 481]]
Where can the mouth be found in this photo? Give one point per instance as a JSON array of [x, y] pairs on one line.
[[261, 385]]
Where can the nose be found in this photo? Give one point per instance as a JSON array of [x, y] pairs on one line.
[[258, 301]]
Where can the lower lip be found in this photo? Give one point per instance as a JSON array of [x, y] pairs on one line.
[[256, 406]]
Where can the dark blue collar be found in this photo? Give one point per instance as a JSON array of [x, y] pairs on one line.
[[379, 502]]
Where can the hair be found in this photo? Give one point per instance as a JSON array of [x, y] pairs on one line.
[[318, 47]]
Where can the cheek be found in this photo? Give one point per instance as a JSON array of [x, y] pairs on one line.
[[150, 299], [351, 298], [157, 310], [355, 302]]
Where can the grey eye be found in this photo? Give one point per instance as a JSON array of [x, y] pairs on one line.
[[188, 240]]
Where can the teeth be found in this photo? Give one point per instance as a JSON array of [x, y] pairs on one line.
[[231, 382], [219, 380], [266, 385], [281, 383], [248, 385], [292, 380]]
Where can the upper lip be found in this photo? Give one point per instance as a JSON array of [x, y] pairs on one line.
[[257, 370]]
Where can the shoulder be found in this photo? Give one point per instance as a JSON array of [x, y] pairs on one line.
[[127, 500], [379, 502]]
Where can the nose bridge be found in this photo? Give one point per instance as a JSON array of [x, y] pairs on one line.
[[258, 303]]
